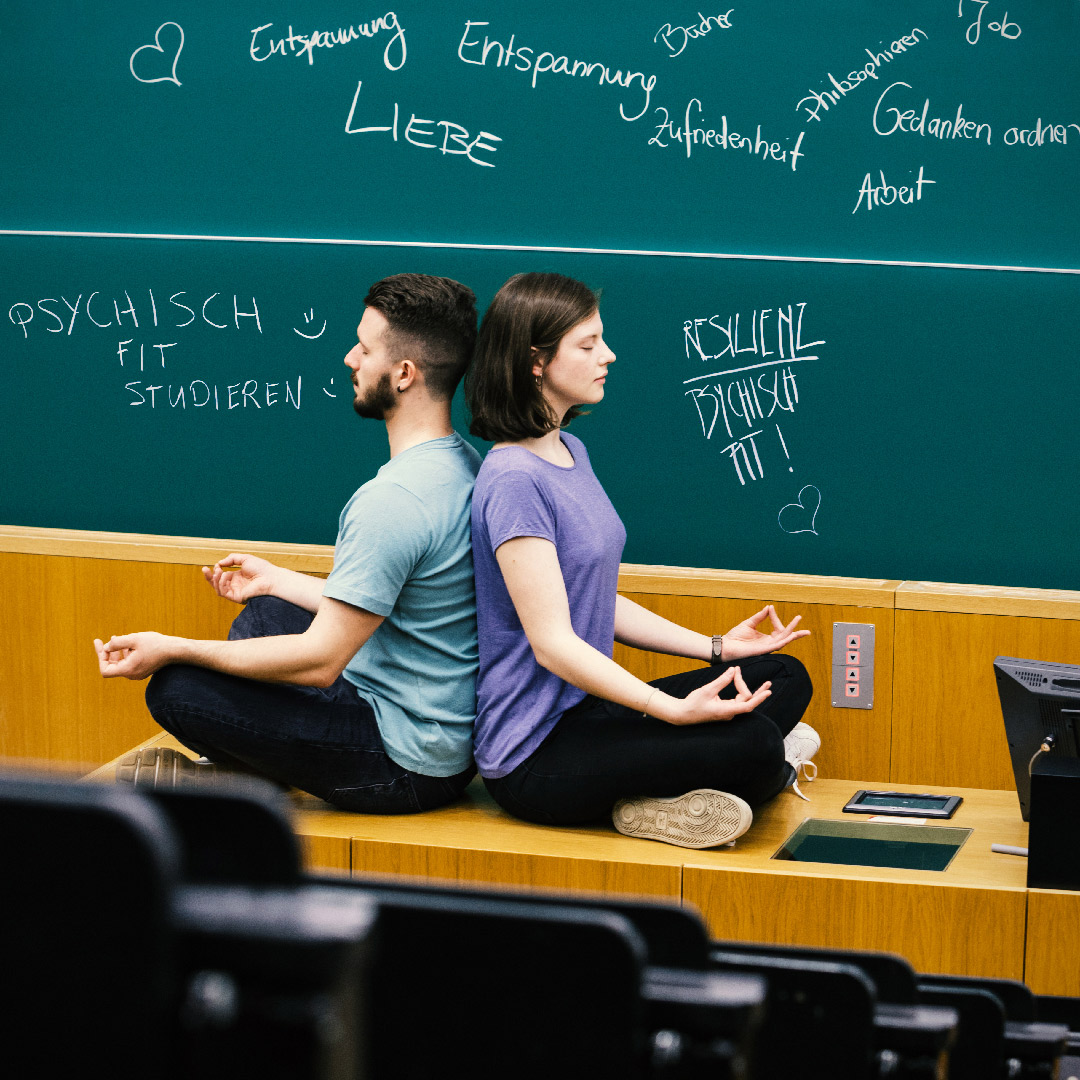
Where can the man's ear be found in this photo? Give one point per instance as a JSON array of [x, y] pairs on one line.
[[408, 374]]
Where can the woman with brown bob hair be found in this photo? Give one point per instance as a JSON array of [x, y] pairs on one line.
[[563, 734]]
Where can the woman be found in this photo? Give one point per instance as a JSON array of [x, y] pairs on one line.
[[564, 734]]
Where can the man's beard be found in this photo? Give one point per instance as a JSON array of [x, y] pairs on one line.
[[378, 401]]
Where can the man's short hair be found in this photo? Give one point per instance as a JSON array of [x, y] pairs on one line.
[[432, 321]]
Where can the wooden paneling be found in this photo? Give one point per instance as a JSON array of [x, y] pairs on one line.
[[967, 919], [938, 928], [855, 743], [147, 547], [1053, 943], [517, 869], [326, 854], [947, 726], [936, 718], [988, 600], [54, 705], [756, 585]]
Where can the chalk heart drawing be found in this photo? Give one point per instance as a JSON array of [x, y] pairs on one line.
[[148, 62], [799, 517]]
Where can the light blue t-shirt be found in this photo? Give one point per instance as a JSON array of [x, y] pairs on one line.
[[403, 551]]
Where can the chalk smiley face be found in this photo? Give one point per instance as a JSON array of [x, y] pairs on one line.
[[801, 516], [150, 58]]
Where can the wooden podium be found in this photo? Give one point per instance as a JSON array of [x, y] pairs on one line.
[[976, 917]]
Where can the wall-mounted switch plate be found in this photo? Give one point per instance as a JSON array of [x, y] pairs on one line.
[[853, 666]]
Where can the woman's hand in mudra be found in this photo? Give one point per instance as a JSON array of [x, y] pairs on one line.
[[746, 640], [705, 704]]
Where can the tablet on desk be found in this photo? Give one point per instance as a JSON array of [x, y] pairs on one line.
[[902, 804]]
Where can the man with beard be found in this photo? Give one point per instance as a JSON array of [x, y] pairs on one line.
[[359, 689]]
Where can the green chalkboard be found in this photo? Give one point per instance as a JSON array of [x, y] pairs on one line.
[[806, 417], [243, 119], [837, 244]]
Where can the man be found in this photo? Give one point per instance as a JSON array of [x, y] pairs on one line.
[[359, 689]]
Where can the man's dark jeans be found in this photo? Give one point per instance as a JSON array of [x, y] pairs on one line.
[[323, 741]]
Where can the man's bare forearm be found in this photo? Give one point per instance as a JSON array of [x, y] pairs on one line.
[[304, 590]]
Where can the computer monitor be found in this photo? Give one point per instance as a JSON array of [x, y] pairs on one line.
[[1038, 699]]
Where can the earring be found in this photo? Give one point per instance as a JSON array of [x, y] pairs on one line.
[[539, 382], [401, 389]]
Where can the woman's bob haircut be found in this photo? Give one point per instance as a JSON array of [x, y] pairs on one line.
[[530, 312]]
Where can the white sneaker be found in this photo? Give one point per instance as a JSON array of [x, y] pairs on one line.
[[800, 746], [699, 819]]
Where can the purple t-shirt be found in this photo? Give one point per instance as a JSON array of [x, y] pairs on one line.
[[520, 494]]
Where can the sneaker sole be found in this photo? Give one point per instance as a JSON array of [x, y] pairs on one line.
[[698, 819], [162, 767]]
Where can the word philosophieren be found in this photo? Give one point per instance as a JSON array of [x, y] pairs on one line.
[[823, 99], [683, 34], [722, 139], [305, 44], [110, 313], [528, 60]]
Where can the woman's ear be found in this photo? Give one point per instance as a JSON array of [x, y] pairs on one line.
[[538, 362]]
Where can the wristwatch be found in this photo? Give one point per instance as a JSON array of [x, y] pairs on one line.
[[717, 649]]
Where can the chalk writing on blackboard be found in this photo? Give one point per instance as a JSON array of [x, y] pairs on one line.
[[149, 61], [149, 331], [886, 194], [716, 332], [720, 139], [533, 63], [895, 117], [309, 321], [453, 139], [818, 100], [1039, 134], [755, 388], [1009, 30], [676, 38], [264, 45], [801, 515], [105, 313], [201, 395]]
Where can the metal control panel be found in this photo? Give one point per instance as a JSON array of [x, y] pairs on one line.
[[853, 666]]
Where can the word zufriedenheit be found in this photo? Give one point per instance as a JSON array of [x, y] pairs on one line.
[[306, 44], [722, 139], [823, 99], [524, 60]]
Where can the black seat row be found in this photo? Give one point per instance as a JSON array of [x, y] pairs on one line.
[[175, 934]]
